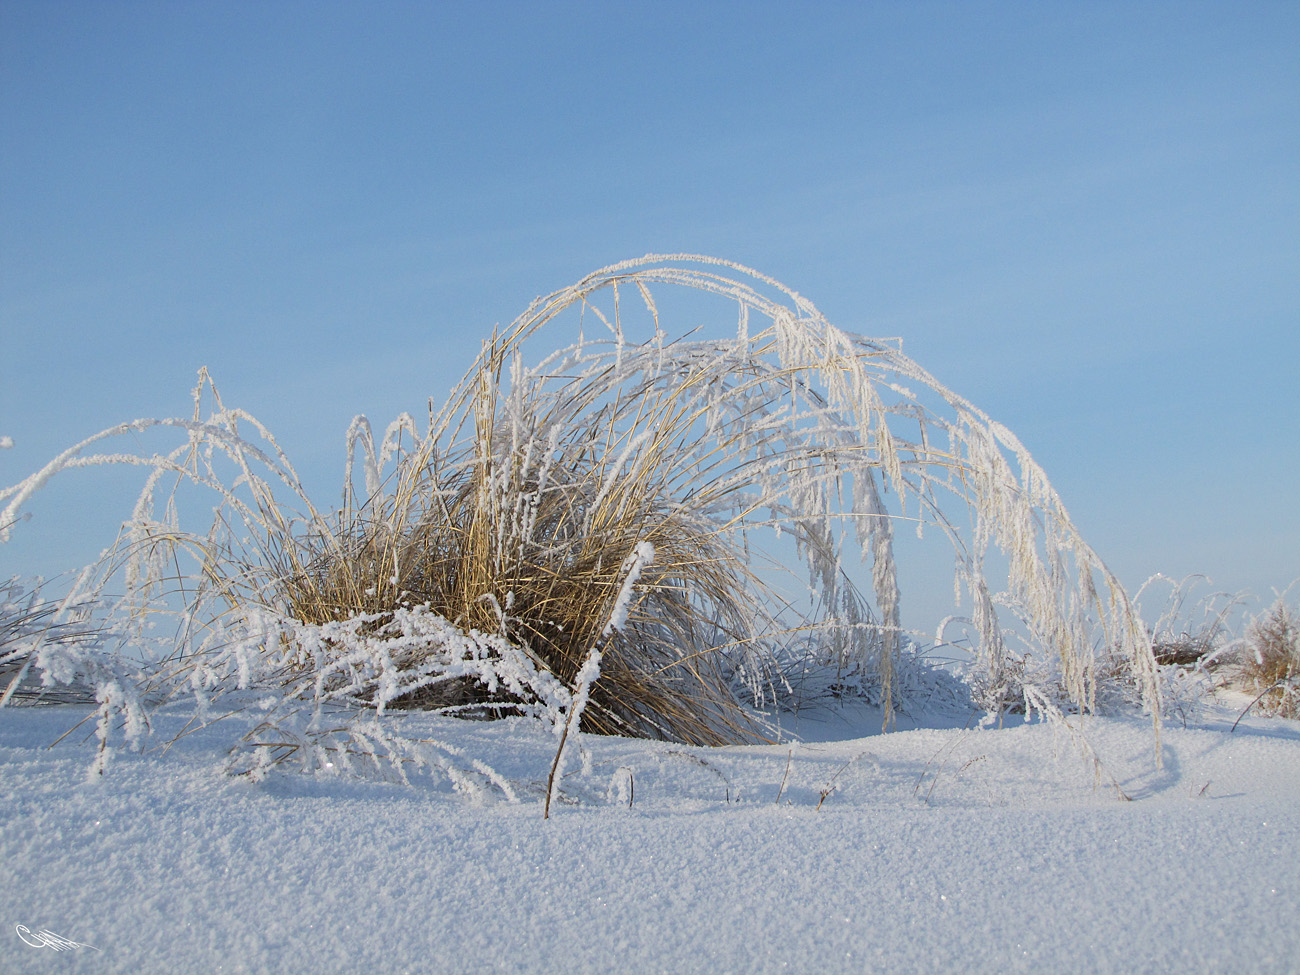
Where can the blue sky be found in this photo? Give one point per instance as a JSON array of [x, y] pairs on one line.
[[1083, 217]]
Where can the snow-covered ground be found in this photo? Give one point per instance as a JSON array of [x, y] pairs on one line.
[[918, 851]]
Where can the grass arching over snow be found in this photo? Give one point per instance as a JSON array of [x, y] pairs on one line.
[[474, 566]]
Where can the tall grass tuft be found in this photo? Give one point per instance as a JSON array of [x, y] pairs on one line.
[[755, 465]]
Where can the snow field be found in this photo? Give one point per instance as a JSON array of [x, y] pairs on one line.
[[936, 851]]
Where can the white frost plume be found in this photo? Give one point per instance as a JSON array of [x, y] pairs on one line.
[[642, 556]]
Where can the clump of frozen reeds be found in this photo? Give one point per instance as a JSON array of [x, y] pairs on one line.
[[523, 530], [1193, 635], [1192, 629], [31, 622], [62, 651], [1270, 660], [25, 623], [506, 527]]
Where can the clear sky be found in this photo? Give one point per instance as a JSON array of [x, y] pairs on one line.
[[1083, 217]]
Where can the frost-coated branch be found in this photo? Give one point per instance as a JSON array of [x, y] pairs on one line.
[[642, 556]]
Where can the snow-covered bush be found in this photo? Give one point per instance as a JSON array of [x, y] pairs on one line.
[[476, 565]]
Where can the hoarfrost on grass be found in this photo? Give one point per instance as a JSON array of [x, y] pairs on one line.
[[543, 489]]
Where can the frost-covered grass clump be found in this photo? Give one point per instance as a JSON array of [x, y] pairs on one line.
[[487, 563], [32, 623], [1271, 661]]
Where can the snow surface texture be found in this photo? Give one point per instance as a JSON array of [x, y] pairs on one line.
[[943, 850]]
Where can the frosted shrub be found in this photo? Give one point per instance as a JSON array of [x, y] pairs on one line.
[[475, 566], [32, 624], [73, 652], [24, 622], [1271, 661]]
